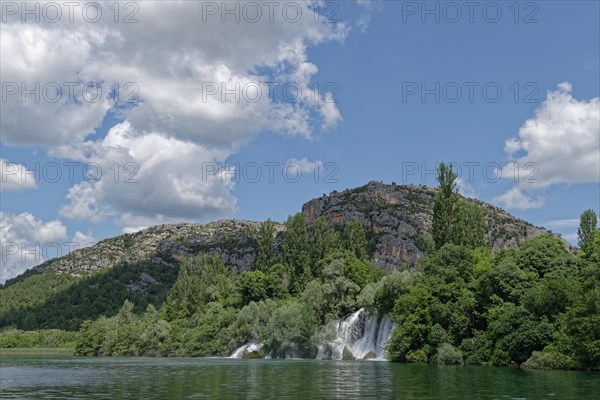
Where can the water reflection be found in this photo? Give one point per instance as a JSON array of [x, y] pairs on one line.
[[147, 378]]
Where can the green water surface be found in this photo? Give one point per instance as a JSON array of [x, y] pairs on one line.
[[60, 377]]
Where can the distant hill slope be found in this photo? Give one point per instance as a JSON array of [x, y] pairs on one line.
[[142, 266], [233, 240]]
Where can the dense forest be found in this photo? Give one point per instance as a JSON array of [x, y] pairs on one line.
[[537, 306]]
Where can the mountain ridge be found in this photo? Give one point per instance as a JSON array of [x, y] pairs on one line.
[[397, 219]]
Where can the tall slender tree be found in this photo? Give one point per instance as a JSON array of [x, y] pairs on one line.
[[266, 246], [588, 222], [295, 252], [443, 205], [455, 220], [323, 241]]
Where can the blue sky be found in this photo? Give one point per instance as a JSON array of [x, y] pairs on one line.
[[376, 60]]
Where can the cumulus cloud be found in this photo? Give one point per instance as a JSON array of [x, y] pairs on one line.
[[560, 144], [81, 240], [15, 177], [516, 198], [465, 188], [188, 88], [27, 241], [151, 176]]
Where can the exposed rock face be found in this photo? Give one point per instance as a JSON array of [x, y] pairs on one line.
[[397, 219], [233, 240]]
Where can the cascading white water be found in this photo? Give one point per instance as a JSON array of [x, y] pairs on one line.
[[247, 348], [360, 336]]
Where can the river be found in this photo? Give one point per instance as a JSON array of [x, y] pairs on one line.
[[23, 377]]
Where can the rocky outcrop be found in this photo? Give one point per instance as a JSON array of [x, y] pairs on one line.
[[233, 241], [398, 219]]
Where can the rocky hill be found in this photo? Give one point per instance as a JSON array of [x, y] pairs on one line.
[[397, 219], [233, 240]]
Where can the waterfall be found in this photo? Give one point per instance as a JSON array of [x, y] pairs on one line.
[[246, 349], [358, 336]]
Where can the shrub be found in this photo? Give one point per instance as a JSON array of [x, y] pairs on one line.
[[548, 360], [449, 355]]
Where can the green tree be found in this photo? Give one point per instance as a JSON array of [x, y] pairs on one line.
[[290, 330], [588, 222], [468, 225], [354, 239], [542, 255], [380, 296], [266, 245], [579, 335], [324, 240], [252, 320], [514, 334], [443, 205], [155, 333], [335, 296], [126, 332], [455, 220], [278, 282], [449, 355], [296, 255], [505, 281], [91, 337], [551, 296], [211, 332], [253, 286], [413, 317], [201, 280]]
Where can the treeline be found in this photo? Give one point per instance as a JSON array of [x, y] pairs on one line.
[[316, 277], [48, 338], [536, 306]]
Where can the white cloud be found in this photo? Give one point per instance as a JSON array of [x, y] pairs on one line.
[[177, 120], [369, 7], [158, 177], [465, 188], [566, 228], [563, 140], [560, 144], [305, 166], [331, 114], [15, 177], [515, 198], [562, 223], [82, 240], [27, 241], [571, 237]]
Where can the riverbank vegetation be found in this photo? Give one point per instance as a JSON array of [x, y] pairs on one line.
[[38, 339], [536, 306]]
